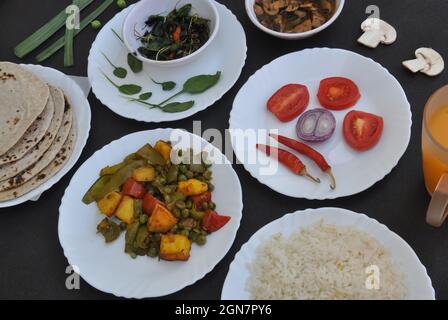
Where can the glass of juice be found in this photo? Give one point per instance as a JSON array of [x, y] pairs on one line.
[[435, 155]]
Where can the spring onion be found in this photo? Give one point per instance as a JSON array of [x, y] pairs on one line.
[[45, 32], [48, 52], [68, 41]]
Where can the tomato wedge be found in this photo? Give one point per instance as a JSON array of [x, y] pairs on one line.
[[289, 102], [212, 221], [133, 188], [200, 199], [362, 130], [149, 203], [338, 93]]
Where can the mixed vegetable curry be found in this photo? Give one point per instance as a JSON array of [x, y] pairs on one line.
[[294, 16], [161, 206]]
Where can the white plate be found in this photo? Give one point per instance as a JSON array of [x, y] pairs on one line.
[[354, 171], [106, 266], [227, 53], [417, 280], [81, 109]]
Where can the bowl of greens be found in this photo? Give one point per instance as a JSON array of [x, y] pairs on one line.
[[170, 33]]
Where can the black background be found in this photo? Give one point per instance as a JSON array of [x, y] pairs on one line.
[[32, 264]]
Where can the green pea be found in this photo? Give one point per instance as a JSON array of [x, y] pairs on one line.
[[180, 204], [143, 219], [162, 180], [123, 226], [189, 174], [152, 252], [211, 187], [96, 24], [197, 215], [188, 204], [208, 174], [182, 177], [205, 206], [167, 190], [201, 239], [121, 4], [185, 213], [176, 212], [193, 236], [212, 205], [133, 255]]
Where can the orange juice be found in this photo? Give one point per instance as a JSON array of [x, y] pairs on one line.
[[435, 146]]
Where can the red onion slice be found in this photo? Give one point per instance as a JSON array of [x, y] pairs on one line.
[[317, 125]]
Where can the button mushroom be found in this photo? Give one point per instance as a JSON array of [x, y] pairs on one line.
[[377, 31], [272, 8], [428, 61]]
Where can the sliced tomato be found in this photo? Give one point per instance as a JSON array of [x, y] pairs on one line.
[[338, 93], [149, 203], [199, 200], [289, 102], [362, 130], [133, 188], [212, 221]]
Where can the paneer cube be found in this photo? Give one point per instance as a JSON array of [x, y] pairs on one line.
[[161, 220], [144, 174], [164, 149], [174, 247], [192, 187], [125, 210], [109, 203]]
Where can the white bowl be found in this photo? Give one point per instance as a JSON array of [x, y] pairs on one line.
[[143, 9], [292, 36]]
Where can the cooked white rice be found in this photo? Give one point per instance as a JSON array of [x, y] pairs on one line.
[[323, 262]]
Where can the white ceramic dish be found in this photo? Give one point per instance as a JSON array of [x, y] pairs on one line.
[[381, 94], [417, 280], [135, 21], [292, 36], [227, 54], [106, 266], [81, 109]]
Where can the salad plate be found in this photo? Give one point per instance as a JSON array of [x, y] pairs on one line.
[[82, 116], [227, 53], [416, 279], [355, 171], [105, 266]]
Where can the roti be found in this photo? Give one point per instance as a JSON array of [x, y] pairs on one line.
[[48, 172], [23, 97], [34, 154], [32, 136], [46, 158]]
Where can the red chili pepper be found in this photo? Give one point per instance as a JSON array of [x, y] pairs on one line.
[[212, 221], [133, 188], [309, 152], [176, 34], [288, 159]]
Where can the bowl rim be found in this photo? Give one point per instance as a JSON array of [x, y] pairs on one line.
[[298, 35], [174, 62]]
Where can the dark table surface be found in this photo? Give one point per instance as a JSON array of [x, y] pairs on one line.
[[32, 264]]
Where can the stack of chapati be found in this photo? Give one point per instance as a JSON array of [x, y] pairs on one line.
[[38, 131]]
